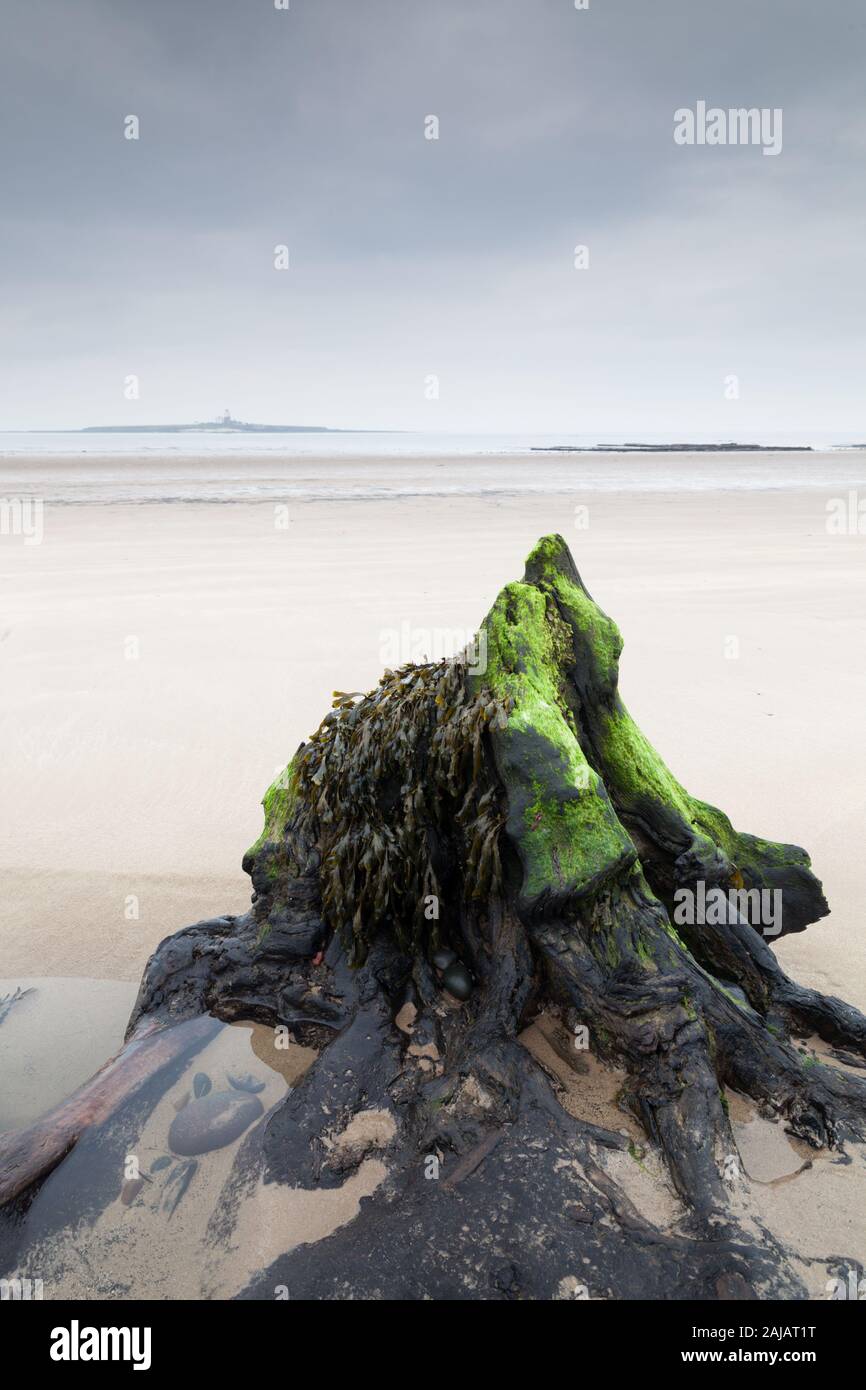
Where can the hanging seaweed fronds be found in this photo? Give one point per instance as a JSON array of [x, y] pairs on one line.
[[386, 778]]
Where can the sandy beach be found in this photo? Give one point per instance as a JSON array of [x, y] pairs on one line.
[[161, 662]]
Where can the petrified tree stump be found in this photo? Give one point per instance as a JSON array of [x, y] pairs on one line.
[[511, 826]]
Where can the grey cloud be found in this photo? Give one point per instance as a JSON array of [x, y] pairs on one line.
[[259, 127]]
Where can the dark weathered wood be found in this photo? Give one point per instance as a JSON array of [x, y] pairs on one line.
[[525, 1206]]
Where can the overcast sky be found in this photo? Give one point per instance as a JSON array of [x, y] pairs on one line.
[[412, 257]]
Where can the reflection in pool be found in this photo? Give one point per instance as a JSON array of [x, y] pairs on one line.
[[145, 1205]]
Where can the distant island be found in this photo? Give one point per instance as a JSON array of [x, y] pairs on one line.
[[224, 425]]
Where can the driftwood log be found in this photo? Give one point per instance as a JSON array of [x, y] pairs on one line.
[[480, 839]]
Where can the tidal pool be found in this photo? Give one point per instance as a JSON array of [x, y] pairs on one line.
[[145, 1205]]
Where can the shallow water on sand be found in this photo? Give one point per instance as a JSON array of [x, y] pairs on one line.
[[53, 1037], [285, 476], [136, 1211]]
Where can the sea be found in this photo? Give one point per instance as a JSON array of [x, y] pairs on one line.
[[216, 466]]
